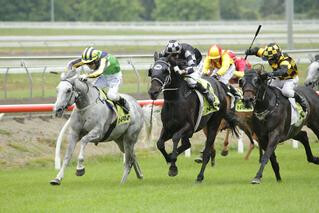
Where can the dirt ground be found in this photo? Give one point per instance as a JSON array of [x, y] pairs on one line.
[[30, 139]]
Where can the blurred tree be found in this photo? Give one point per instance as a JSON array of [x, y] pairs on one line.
[[306, 8], [272, 9], [239, 9], [148, 6], [24, 10], [185, 10], [114, 10]]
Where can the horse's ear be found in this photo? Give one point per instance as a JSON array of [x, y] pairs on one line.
[[241, 82], [311, 58], [259, 68], [62, 76], [156, 56]]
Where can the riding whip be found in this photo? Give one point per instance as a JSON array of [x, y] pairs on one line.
[[151, 122], [257, 32]]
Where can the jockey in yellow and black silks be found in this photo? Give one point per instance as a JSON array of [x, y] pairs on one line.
[[285, 71]]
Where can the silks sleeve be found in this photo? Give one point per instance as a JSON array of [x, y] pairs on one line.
[[100, 70], [239, 74], [226, 62], [206, 67]]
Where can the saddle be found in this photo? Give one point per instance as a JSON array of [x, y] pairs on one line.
[[239, 105], [122, 117]]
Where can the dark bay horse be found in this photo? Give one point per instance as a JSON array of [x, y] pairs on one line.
[[272, 118], [180, 112]]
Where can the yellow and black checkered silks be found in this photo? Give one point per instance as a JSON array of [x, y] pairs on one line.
[[286, 61], [272, 51]]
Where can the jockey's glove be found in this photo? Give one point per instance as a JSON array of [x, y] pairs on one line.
[[280, 72], [179, 71], [252, 51], [83, 77], [266, 75]]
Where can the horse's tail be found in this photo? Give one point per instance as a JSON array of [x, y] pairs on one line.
[[58, 145], [151, 118], [147, 121], [233, 122]]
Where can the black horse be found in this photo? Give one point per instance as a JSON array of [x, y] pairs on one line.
[[180, 111], [272, 118]]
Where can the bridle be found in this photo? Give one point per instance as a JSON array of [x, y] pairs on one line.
[[168, 78], [74, 93]]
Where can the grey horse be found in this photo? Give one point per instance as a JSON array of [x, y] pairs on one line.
[[91, 120], [313, 73]]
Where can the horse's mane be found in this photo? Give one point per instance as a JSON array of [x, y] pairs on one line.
[[69, 74]]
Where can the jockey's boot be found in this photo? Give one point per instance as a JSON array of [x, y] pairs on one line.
[[301, 100], [123, 103], [206, 93], [235, 93]]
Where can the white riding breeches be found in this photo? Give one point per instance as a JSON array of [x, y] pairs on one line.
[[227, 76], [112, 82], [192, 78], [286, 86]]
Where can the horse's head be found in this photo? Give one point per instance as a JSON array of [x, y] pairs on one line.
[[66, 94], [251, 83], [313, 74], [160, 75]]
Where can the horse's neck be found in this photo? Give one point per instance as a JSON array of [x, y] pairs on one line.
[[87, 95], [266, 98], [174, 91]]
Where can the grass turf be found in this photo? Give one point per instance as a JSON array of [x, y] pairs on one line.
[[225, 188]]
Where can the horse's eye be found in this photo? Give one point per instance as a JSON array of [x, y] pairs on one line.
[[68, 90]]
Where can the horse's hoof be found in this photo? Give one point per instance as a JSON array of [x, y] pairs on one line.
[[315, 160], [80, 172], [212, 163], [199, 179], [55, 182], [199, 160], [256, 181], [141, 177], [224, 153], [173, 171]]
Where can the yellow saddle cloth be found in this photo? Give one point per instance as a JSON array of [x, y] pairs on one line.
[[122, 116], [207, 108]]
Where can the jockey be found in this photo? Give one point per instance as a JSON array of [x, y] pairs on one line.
[[188, 60], [240, 65], [219, 63], [285, 70], [106, 72]]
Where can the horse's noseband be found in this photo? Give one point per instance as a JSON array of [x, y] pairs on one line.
[[168, 78]]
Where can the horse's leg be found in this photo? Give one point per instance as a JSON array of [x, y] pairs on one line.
[[72, 138], [93, 136], [275, 166], [129, 141], [211, 135], [251, 145], [185, 145], [303, 138], [226, 143], [213, 155], [173, 171], [272, 143], [161, 144], [199, 159]]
